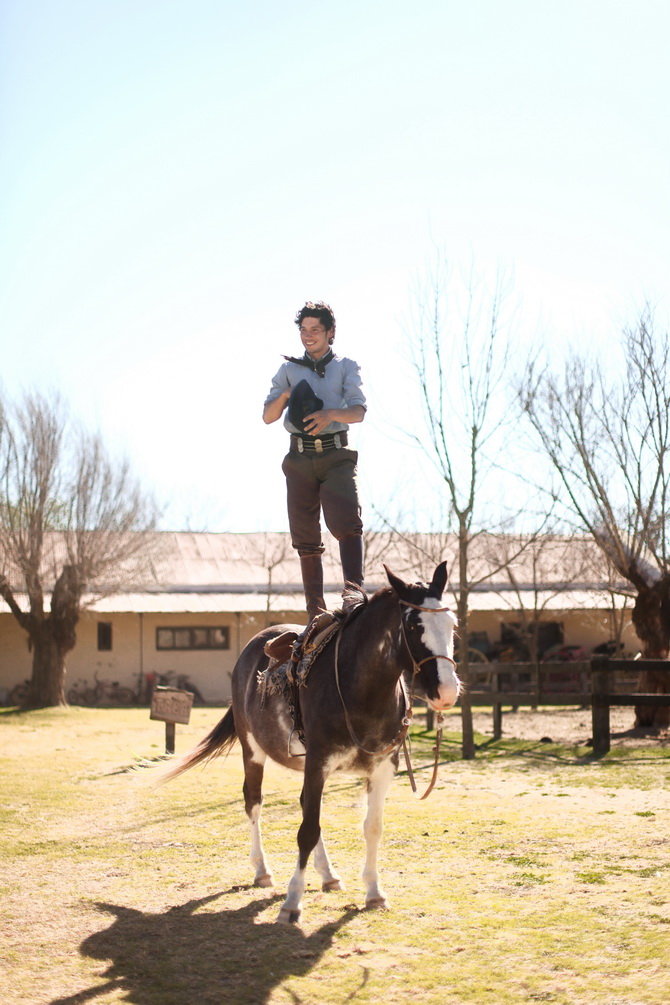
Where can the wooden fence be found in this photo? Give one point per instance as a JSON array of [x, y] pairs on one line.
[[599, 683]]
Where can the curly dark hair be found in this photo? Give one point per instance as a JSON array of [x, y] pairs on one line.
[[320, 310]]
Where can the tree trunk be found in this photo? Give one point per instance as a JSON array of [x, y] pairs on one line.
[[52, 637], [647, 716], [651, 618], [468, 740], [47, 686]]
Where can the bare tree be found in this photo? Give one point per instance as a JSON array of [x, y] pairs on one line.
[[377, 547], [620, 601], [69, 523], [538, 568], [606, 433], [460, 364], [273, 551]]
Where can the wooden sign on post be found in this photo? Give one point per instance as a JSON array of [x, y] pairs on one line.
[[171, 705]]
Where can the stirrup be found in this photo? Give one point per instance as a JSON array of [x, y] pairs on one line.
[[314, 633], [296, 738]]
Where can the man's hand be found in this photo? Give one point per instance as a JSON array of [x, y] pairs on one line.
[[316, 422]]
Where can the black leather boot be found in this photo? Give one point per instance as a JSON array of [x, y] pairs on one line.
[[311, 568], [351, 554]]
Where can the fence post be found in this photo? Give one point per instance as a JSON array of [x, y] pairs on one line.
[[600, 710], [497, 705], [497, 720], [468, 738]]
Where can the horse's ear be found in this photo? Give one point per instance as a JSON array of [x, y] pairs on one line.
[[439, 581], [398, 586]]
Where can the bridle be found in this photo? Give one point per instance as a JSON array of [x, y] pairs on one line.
[[416, 667], [406, 722]]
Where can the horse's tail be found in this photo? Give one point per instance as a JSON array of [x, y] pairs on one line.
[[218, 741]]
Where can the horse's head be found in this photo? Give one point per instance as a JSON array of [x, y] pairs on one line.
[[427, 629]]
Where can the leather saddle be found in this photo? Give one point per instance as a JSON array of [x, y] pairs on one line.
[[300, 646]]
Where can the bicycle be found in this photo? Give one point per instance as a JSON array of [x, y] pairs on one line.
[[474, 655], [81, 694], [105, 694], [18, 694]]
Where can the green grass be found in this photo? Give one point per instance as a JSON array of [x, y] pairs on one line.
[[534, 873]]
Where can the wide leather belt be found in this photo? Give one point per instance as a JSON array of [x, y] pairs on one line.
[[317, 444]]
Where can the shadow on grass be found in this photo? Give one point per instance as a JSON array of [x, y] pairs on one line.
[[575, 754], [545, 751], [185, 955]]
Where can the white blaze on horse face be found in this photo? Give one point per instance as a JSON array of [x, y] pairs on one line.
[[438, 637]]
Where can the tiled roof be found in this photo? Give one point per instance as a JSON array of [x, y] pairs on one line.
[[254, 572]]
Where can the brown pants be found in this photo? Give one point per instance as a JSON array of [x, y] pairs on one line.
[[316, 482]]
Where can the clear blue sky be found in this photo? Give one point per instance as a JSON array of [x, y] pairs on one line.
[[178, 177]]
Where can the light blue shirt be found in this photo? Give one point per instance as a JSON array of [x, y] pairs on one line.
[[341, 387]]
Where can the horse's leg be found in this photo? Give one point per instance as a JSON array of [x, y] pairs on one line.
[[309, 835], [378, 785], [329, 878], [254, 764]]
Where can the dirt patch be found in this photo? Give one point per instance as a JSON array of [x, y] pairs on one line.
[[568, 725]]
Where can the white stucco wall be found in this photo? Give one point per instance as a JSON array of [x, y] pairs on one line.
[[134, 650], [134, 645]]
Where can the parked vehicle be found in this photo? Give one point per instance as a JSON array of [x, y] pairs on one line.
[[566, 654], [181, 680]]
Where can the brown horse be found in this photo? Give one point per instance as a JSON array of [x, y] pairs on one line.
[[354, 715]]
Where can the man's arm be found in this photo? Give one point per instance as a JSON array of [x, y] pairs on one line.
[[273, 410]]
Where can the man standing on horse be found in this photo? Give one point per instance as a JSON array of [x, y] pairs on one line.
[[324, 395]]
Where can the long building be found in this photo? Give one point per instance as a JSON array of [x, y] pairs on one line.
[[208, 595]]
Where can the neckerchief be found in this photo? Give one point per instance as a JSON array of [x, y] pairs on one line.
[[317, 365]]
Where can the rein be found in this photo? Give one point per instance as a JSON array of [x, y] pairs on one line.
[[406, 722], [440, 717]]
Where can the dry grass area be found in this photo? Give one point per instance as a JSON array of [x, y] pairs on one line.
[[569, 725], [532, 874]]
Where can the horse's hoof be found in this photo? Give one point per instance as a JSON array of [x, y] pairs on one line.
[[264, 880], [288, 916], [333, 884], [377, 904]]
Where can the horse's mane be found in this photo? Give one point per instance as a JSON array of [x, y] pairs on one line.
[[355, 600]]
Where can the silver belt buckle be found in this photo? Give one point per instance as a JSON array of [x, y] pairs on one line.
[[301, 446], [318, 446], [337, 441]]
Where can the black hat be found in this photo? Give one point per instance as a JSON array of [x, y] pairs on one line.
[[302, 402]]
